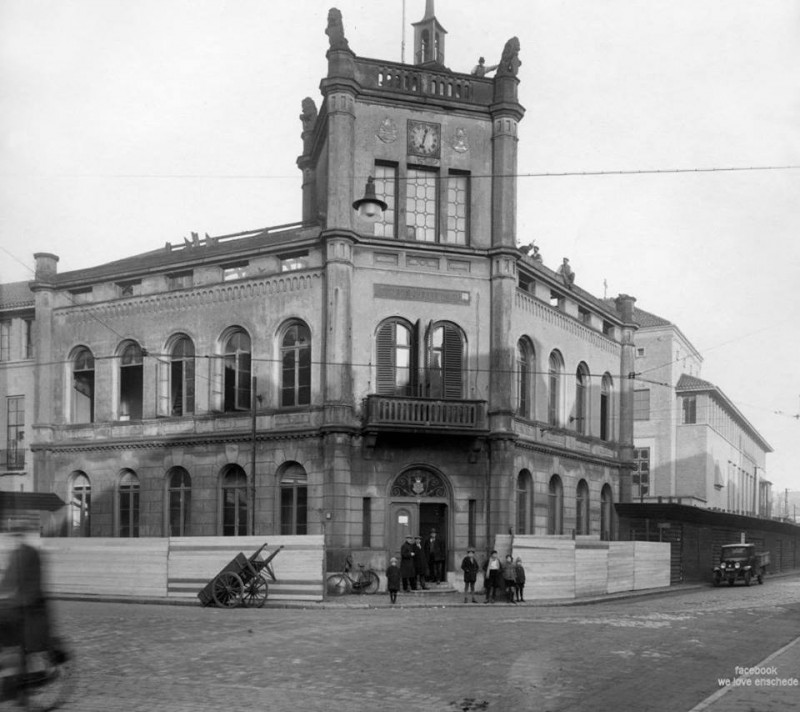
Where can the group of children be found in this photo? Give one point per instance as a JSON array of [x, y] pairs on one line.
[[508, 577]]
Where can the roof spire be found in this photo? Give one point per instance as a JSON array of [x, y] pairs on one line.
[[429, 39]]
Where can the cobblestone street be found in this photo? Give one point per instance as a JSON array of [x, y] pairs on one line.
[[655, 653]]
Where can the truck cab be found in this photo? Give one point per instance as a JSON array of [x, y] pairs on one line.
[[740, 562]]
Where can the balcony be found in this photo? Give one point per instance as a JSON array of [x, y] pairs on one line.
[[13, 459], [424, 415]]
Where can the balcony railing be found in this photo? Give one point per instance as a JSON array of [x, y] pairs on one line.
[[13, 459], [425, 415]]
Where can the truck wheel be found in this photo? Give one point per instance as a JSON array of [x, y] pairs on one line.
[[746, 578]]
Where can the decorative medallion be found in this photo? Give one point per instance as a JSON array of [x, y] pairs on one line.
[[418, 483], [460, 140], [387, 131]]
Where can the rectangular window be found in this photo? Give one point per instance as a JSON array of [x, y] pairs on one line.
[[130, 288], [457, 209], [15, 433], [526, 283], [386, 190], [180, 280], [641, 472], [293, 261], [234, 271], [584, 315], [366, 522], [472, 516], [421, 205], [556, 300], [689, 410], [28, 338], [81, 296], [5, 340], [608, 328], [641, 404]]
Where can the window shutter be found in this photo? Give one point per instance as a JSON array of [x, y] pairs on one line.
[[216, 367], [162, 393], [384, 356], [453, 363]]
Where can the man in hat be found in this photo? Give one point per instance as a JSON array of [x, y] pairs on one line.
[[420, 562], [469, 565], [408, 570], [435, 556]]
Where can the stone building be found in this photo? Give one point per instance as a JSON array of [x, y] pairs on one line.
[[363, 374], [16, 386], [691, 441]]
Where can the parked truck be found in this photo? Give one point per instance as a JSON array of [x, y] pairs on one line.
[[741, 562]]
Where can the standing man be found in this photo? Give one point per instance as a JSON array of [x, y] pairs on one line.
[[434, 553], [408, 571], [420, 562]]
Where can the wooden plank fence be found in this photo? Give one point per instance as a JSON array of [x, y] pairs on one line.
[[176, 568]]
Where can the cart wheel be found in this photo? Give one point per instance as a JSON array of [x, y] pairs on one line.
[[227, 590], [255, 592], [371, 583], [338, 585]]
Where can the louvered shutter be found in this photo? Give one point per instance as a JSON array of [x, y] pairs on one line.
[[384, 356], [162, 379], [452, 363]]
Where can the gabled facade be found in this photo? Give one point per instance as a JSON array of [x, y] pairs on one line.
[[691, 441], [361, 379]]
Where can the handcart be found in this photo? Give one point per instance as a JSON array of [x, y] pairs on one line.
[[243, 582]]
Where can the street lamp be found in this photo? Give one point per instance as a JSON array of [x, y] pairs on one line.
[[370, 207]]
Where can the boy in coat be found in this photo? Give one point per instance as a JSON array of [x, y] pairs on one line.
[[393, 579]]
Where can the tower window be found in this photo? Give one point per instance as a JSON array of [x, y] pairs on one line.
[[421, 205]]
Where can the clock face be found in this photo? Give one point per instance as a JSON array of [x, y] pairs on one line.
[[424, 138]]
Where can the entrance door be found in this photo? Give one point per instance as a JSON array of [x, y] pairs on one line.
[[404, 522], [433, 515]]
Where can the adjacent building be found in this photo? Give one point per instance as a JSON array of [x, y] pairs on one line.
[[691, 441], [17, 368], [362, 374]]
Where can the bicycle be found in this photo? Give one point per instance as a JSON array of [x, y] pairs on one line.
[[364, 581], [44, 681]]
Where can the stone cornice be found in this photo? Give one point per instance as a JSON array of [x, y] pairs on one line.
[[570, 454], [194, 297], [168, 442]]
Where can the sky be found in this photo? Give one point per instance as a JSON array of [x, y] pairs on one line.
[[124, 125]]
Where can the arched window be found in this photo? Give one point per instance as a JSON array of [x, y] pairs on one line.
[[582, 399], [582, 508], [555, 370], [179, 491], [606, 513], [524, 503], [236, 378], [555, 509], [394, 356], [234, 501], [445, 362], [524, 381], [128, 504], [82, 387], [296, 365], [606, 408], [181, 377], [131, 382], [294, 499], [80, 501]]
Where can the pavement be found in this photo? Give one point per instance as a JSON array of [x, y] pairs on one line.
[[443, 597], [772, 685]]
